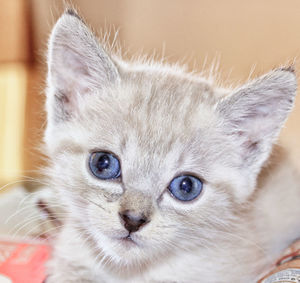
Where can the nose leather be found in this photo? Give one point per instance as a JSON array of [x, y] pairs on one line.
[[132, 221]]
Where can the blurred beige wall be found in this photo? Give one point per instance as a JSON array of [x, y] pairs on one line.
[[243, 34], [14, 58], [14, 27]]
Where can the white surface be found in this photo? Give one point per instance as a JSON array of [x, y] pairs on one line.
[[4, 279]]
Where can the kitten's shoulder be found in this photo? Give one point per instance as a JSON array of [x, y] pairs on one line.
[[279, 167], [276, 202]]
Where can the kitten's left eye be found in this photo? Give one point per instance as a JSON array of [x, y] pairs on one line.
[[104, 165], [185, 188]]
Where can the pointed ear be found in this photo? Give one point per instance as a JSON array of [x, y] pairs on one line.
[[255, 113], [77, 66]]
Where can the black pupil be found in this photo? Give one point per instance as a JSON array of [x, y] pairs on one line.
[[186, 185], [103, 162]]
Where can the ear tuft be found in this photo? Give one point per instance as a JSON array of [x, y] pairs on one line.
[[72, 12], [290, 69]]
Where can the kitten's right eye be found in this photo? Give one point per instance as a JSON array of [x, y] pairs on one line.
[[185, 187], [104, 165]]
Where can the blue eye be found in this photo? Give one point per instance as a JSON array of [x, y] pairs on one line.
[[185, 188], [104, 165]]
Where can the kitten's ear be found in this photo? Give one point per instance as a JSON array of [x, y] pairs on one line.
[[77, 65], [255, 113]]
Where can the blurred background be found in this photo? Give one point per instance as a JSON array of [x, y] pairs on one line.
[[245, 36]]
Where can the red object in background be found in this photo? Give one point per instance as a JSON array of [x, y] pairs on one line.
[[23, 262]]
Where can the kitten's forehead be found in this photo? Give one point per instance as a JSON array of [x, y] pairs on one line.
[[164, 109], [153, 110]]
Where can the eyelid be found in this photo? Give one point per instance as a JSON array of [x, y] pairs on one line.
[[191, 202], [188, 173], [106, 151]]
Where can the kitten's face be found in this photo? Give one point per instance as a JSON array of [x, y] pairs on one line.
[[157, 124], [157, 133]]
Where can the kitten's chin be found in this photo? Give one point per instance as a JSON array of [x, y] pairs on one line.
[[125, 250]]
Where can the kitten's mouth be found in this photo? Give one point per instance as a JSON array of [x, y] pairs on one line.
[[128, 240]]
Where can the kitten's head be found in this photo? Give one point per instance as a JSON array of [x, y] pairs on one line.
[[150, 160]]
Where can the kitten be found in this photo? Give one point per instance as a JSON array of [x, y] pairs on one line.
[[157, 169]]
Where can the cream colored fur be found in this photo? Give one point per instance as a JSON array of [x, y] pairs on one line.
[[160, 122]]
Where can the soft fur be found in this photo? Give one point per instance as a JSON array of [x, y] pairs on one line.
[[161, 122]]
